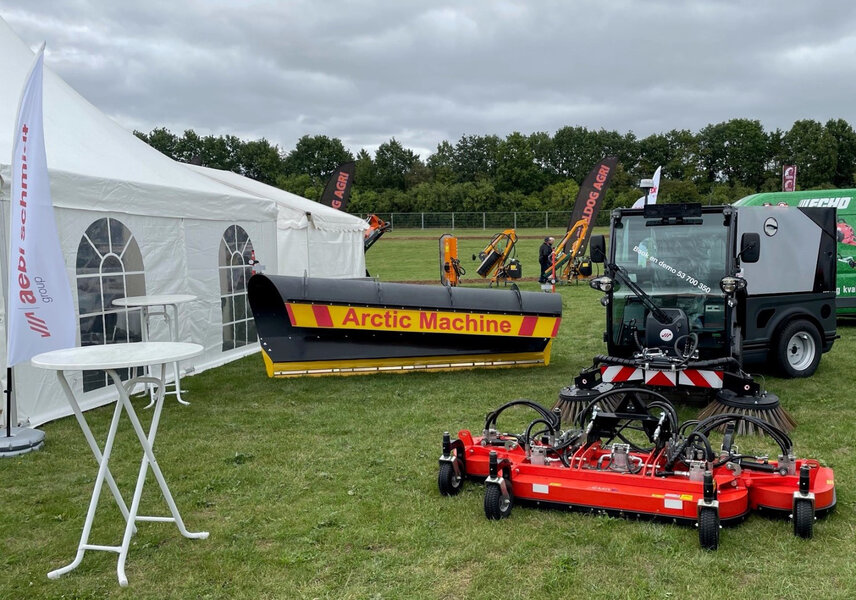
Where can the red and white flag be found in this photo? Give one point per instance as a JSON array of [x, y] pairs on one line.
[[40, 315], [652, 193], [789, 178]]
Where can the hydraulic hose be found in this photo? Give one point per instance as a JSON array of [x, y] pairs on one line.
[[632, 362]]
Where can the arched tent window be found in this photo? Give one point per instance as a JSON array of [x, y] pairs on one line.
[[236, 252], [109, 266]]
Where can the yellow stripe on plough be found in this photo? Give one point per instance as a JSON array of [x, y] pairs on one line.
[[405, 365], [331, 316]]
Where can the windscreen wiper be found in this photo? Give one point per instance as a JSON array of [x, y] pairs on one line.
[[658, 312]]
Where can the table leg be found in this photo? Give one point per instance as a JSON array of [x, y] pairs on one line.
[[93, 445], [147, 370], [103, 470], [173, 333], [147, 461]]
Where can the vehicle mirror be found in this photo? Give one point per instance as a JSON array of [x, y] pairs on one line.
[[750, 247], [598, 248]]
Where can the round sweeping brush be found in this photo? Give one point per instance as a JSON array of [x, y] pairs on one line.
[[764, 406], [572, 400]]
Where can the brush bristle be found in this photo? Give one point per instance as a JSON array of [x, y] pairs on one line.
[[775, 415]]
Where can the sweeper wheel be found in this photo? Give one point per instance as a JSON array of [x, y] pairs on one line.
[[497, 506], [448, 481], [798, 349], [803, 519], [708, 528]]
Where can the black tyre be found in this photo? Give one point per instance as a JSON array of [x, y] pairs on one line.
[[449, 483], [708, 528], [803, 519], [798, 349], [496, 506]]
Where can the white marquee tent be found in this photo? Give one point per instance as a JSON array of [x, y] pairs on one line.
[[134, 222]]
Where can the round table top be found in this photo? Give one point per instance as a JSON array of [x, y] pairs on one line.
[[154, 300], [115, 356]]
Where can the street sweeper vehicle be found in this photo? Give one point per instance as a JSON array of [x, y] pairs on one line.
[[692, 293], [636, 459]]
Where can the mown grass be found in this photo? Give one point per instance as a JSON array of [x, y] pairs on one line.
[[326, 488], [414, 254]]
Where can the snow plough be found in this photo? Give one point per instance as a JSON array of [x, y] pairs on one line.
[[315, 326]]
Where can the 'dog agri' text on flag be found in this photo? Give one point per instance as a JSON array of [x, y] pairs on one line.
[[337, 192], [590, 197], [40, 309]]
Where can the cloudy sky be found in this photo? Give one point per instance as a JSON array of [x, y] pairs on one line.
[[429, 70]]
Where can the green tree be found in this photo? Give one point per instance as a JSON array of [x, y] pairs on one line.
[[160, 139], [261, 161], [188, 148], [812, 149], [365, 176], [476, 157], [392, 161], [844, 138], [317, 156], [442, 162], [220, 152], [515, 166]]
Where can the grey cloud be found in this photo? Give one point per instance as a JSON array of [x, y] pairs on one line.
[[424, 72]]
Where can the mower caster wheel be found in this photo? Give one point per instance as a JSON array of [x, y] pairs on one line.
[[448, 481], [708, 528], [803, 519], [496, 506]]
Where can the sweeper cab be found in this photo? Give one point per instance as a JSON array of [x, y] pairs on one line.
[[692, 293]]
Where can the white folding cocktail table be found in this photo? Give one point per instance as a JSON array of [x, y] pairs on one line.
[[160, 305], [110, 358]]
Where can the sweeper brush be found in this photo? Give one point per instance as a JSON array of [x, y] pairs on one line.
[[636, 459]]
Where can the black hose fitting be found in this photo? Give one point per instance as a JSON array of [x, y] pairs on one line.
[[709, 487], [804, 480]]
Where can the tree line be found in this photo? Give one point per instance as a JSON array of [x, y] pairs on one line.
[[718, 164]]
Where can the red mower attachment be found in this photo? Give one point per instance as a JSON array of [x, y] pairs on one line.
[[637, 460]]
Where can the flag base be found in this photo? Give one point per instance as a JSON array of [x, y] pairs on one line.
[[21, 441]]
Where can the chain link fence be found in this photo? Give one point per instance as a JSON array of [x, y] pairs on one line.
[[477, 220]]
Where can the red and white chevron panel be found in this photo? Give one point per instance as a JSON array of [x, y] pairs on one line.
[[701, 378], [664, 378], [688, 377], [618, 374]]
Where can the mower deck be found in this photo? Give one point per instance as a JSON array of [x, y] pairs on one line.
[[672, 480]]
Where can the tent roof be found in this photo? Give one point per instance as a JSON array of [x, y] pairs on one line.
[[84, 144], [294, 211]]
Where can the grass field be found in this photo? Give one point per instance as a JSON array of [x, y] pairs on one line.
[[326, 488]]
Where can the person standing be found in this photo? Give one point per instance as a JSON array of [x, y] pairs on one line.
[[545, 259]]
